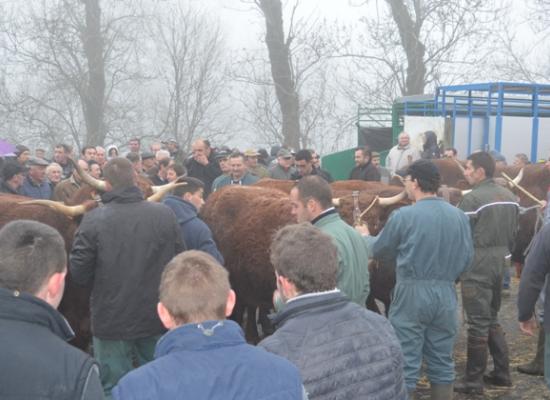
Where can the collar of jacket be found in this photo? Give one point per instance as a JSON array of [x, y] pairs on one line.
[[203, 336], [33, 183], [18, 306], [404, 147], [485, 182], [317, 304], [328, 212], [130, 194], [186, 210]]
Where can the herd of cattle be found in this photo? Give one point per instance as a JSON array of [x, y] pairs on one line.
[[244, 218]]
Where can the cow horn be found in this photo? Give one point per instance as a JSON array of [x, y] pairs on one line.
[[86, 177], [161, 191], [336, 202], [516, 181], [70, 211], [465, 192], [388, 201], [158, 188]]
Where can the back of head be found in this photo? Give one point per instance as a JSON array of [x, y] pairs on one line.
[[315, 187], [30, 252], [10, 169], [194, 288], [426, 174], [484, 160], [192, 185], [119, 173], [303, 154], [133, 157], [306, 256]]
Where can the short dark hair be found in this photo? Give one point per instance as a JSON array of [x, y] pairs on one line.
[[165, 162], [119, 172], [10, 169], [66, 148], [452, 149], [484, 160], [178, 168], [83, 152], [133, 157], [314, 187], [30, 252], [365, 150], [303, 154], [236, 154], [135, 139], [193, 185], [426, 175], [91, 162], [194, 287], [306, 256]]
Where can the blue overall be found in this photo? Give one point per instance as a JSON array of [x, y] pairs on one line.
[[431, 242]]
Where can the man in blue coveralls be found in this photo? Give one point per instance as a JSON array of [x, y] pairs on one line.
[[432, 244]]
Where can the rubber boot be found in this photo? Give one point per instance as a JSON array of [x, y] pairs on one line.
[[472, 383], [535, 367], [441, 391], [500, 376]]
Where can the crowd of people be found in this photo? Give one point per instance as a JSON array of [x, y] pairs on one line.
[[160, 295]]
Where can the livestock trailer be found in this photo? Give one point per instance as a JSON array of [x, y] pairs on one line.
[[507, 117]]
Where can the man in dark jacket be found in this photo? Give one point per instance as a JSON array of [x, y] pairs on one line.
[[205, 356], [304, 165], [343, 351], [120, 250], [36, 361], [533, 277], [186, 201], [203, 165], [13, 175], [364, 169], [493, 214]]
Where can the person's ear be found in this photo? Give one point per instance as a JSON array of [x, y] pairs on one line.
[[55, 288], [165, 316], [230, 304]]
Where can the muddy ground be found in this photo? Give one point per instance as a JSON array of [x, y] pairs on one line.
[[522, 349]]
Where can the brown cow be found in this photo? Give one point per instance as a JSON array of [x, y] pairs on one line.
[[243, 219], [75, 303]]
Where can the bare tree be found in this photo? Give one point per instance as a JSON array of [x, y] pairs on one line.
[[190, 72]]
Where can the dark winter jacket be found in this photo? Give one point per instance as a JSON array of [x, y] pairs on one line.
[[211, 361], [315, 171], [121, 249], [36, 361], [41, 191], [366, 172], [5, 188], [195, 233], [533, 276], [342, 350], [206, 173]]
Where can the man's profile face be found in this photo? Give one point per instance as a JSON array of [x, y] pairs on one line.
[[196, 198], [298, 209], [238, 167], [473, 175], [304, 167]]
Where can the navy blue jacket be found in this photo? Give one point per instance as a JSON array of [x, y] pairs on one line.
[[211, 361], [195, 233], [31, 189]]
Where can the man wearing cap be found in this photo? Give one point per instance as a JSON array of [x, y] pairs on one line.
[[283, 169], [238, 175], [222, 157], [432, 244], [36, 185], [13, 175], [203, 165], [251, 161], [147, 161]]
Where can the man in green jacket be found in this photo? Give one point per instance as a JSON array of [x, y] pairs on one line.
[[493, 214], [311, 201]]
